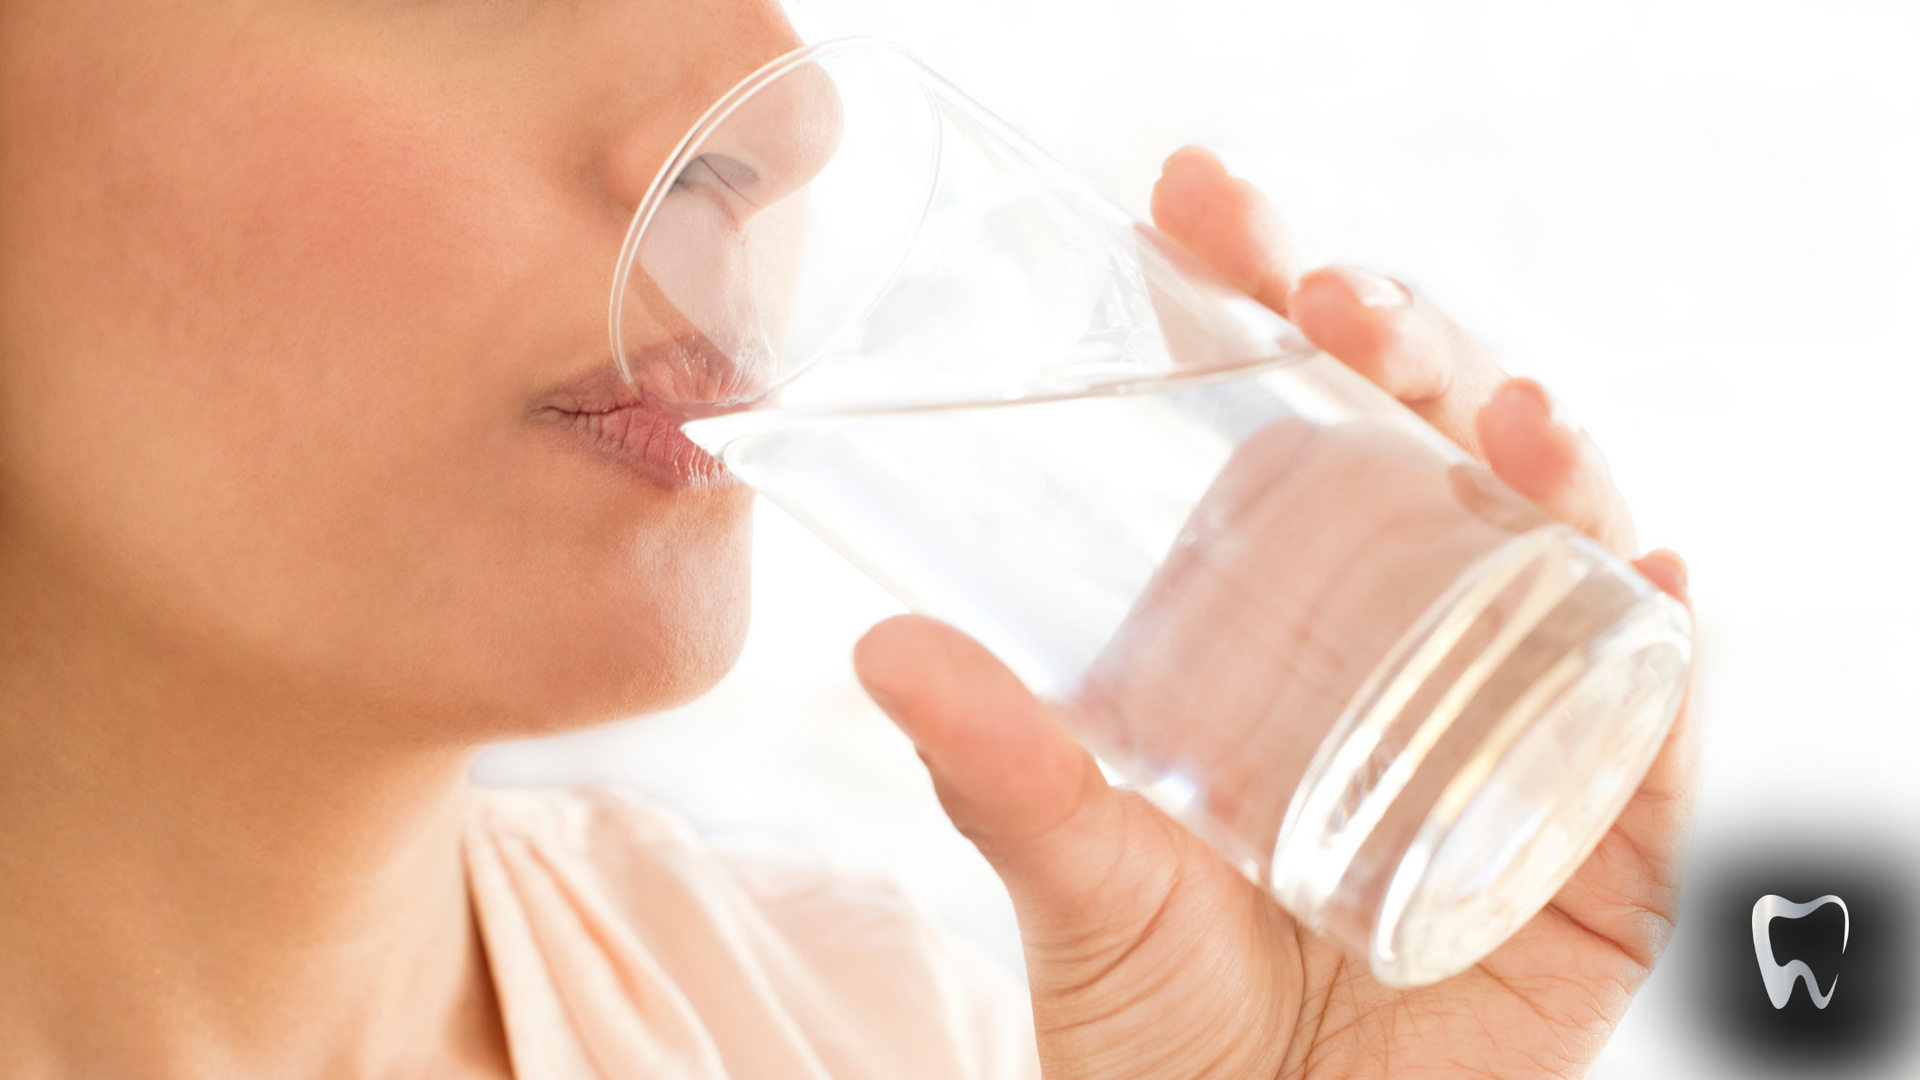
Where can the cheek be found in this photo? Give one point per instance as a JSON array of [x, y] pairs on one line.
[[340, 245], [307, 358], [297, 268]]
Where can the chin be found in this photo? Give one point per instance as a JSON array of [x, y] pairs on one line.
[[699, 658], [634, 656], [603, 682]]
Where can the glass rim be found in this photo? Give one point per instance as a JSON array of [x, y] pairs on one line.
[[684, 151]]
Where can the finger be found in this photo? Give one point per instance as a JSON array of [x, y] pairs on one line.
[[1402, 344], [1669, 784], [1228, 223], [1665, 798], [1530, 444], [1629, 890], [1663, 806], [1009, 775]]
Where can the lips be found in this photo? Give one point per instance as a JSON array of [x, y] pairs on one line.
[[647, 437], [640, 426]]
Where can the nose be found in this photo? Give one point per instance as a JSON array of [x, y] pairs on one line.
[[778, 139], [767, 148], [701, 308]]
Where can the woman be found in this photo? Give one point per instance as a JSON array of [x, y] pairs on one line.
[[300, 503]]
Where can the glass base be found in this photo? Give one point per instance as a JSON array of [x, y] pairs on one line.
[[1485, 758]]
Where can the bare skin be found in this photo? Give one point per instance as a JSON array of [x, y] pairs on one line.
[[287, 531], [1148, 954]]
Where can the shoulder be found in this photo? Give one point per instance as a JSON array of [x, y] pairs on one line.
[[847, 964]]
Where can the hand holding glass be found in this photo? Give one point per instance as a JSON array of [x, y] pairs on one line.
[[1294, 616]]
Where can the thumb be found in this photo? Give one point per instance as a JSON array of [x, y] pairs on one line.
[[1014, 781]]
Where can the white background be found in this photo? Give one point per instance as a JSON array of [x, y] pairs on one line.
[[1698, 222]]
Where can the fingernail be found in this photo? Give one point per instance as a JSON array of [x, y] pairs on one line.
[[1677, 564], [1375, 290], [1549, 406], [1194, 154]]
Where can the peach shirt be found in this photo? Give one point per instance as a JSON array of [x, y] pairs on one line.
[[622, 948]]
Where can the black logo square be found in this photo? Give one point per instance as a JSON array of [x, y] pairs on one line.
[[1773, 903]]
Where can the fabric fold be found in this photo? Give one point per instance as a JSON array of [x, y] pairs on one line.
[[621, 948]]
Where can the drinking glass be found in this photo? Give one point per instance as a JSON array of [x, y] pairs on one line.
[[1291, 614]]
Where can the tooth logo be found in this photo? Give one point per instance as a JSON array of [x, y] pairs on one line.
[[1780, 978]]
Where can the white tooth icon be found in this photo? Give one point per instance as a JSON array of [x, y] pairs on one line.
[[1780, 978]]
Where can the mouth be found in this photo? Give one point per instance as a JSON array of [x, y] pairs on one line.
[[639, 427]]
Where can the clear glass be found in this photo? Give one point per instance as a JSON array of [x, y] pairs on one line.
[[1298, 619]]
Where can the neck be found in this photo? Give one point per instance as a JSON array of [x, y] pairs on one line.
[[202, 880]]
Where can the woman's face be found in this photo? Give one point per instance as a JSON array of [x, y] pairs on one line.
[[296, 298]]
